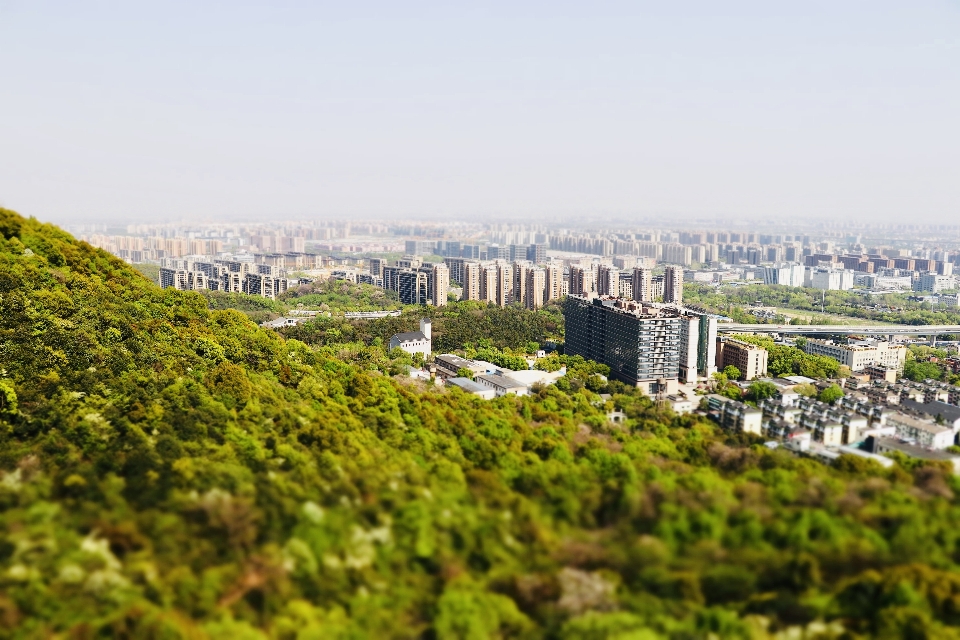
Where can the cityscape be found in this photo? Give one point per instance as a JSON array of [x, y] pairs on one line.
[[480, 321], [622, 299]]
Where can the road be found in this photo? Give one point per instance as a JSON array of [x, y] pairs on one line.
[[877, 329]]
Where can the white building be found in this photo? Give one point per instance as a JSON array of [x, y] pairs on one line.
[[787, 274], [831, 279], [414, 341], [503, 385], [858, 355], [934, 283], [925, 434]]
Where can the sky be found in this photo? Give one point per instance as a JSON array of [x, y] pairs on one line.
[[168, 111]]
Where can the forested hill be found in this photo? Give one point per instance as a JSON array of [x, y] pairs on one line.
[[167, 470]]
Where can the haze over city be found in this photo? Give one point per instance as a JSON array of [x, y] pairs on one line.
[[239, 111]]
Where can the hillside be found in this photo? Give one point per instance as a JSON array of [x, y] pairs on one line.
[[168, 470]]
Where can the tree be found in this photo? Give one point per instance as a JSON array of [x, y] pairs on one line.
[[720, 379], [831, 394], [806, 389], [463, 372], [762, 390], [731, 372]]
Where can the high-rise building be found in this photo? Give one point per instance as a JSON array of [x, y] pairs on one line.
[[504, 290], [488, 282], [581, 281], [537, 253], [552, 282], [412, 286], [456, 268], [641, 345], [471, 280], [410, 262], [689, 340], [419, 247], [608, 280], [498, 252], [533, 288], [790, 275], [520, 282], [673, 285], [377, 265], [439, 284], [391, 277], [626, 285], [642, 284], [656, 287]]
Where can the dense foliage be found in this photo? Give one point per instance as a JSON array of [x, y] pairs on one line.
[[926, 363], [894, 308], [171, 470], [784, 360], [257, 308], [341, 295], [454, 327]]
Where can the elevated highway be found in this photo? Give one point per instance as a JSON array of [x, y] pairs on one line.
[[837, 329]]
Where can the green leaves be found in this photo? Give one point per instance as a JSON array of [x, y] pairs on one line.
[[168, 469]]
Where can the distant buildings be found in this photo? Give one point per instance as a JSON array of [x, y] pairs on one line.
[[263, 280], [673, 285], [831, 279], [422, 284], [790, 274]]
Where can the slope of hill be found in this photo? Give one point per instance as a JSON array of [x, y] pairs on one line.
[[167, 470]]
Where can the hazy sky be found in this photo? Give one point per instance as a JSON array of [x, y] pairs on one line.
[[190, 110]]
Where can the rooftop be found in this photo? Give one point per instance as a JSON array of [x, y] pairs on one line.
[[468, 385], [950, 412], [409, 336], [912, 449], [916, 423], [502, 381]]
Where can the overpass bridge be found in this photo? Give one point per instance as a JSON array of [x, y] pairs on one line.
[[837, 329]]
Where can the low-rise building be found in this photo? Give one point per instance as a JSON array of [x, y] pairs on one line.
[[503, 385], [414, 341], [749, 359], [449, 366], [471, 386], [881, 445], [942, 413], [736, 415], [921, 432], [858, 355]]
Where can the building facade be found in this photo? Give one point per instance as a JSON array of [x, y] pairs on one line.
[[749, 359], [641, 345]]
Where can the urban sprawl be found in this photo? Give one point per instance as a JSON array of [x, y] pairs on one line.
[[622, 296]]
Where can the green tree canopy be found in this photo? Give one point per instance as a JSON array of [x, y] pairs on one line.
[[831, 394]]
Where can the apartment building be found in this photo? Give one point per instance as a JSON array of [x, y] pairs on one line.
[[642, 284], [923, 433], [553, 284], [859, 355], [749, 359], [734, 415], [582, 281], [673, 285], [471, 280]]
